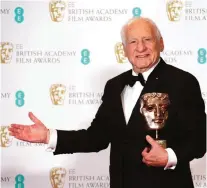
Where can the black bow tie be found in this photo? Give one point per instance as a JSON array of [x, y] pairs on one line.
[[134, 79]]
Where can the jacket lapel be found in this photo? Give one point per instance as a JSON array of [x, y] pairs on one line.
[[152, 85]]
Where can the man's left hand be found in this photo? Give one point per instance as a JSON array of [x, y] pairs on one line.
[[157, 156]]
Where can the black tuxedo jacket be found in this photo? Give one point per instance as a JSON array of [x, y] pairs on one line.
[[185, 131]]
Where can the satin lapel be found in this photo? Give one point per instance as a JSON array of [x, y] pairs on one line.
[[152, 84]]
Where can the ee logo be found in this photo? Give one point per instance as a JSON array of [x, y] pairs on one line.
[[136, 12], [85, 59], [202, 55], [19, 98], [19, 181], [19, 14]]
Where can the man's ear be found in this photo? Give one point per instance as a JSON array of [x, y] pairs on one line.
[[161, 44]]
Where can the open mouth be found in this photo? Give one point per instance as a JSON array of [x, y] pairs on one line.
[[142, 56]]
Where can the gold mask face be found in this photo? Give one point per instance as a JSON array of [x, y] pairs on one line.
[[119, 52], [174, 9], [57, 94], [6, 139], [154, 107], [6, 49], [57, 177], [57, 10]]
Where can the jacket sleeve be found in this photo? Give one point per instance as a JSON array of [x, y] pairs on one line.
[[192, 120], [93, 139]]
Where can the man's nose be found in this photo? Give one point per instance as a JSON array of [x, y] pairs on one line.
[[141, 46]]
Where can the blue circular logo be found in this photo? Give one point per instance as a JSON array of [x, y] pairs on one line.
[[85, 53], [136, 12], [19, 19], [19, 94], [19, 178], [85, 60], [202, 59], [202, 52], [19, 181], [19, 11]]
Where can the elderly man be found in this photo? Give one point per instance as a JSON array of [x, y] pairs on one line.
[[133, 164]]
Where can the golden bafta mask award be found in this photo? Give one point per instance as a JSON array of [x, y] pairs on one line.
[[174, 9], [57, 10], [57, 177], [6, 139], [119, 52], [6, 49], [57, 94], [154, 108]]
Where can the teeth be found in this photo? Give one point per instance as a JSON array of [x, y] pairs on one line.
[[141, 56]]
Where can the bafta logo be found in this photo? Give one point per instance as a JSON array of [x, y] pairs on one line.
[[57, 10], [6, 49], [57, 94], [57, 177], [174, 9], [119, 52], [6, 140]]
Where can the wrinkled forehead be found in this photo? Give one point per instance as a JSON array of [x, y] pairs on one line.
[[140, 27]]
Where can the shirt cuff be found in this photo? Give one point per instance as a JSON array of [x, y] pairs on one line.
[[172, 159], [51, 146]]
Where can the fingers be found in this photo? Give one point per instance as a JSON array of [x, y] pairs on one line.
[[148, 163], [151, 141], [17, 129], [145, 152], [34, 119], [17, 126]]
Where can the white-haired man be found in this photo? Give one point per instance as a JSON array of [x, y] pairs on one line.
[[120, 123]]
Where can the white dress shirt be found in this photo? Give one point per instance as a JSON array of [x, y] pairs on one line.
[[129, 98]]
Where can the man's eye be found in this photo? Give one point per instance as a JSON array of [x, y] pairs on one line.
[[148, 39], [149, 108]]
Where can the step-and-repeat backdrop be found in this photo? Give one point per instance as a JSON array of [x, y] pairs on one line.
[[56, 57]]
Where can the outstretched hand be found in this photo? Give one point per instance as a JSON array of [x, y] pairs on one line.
[[36, 132]]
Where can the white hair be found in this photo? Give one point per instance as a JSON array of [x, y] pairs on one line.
[[134, 19]]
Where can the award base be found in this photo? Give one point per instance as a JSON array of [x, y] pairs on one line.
[[162, 143]]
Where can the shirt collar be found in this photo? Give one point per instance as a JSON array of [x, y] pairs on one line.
[[147, 73]]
